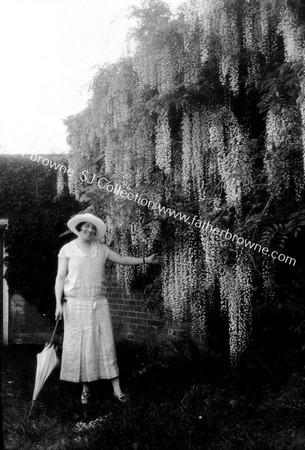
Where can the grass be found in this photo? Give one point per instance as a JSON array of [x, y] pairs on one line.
[[175, 403]]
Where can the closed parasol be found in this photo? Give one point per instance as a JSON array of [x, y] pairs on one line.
[[47, 360]]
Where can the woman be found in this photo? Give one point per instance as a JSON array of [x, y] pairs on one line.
[[88, 346]]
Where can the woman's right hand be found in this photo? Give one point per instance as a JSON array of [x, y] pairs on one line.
[[58, 312]]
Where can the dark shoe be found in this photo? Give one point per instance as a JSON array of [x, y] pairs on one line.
[[85, 398], [121, 397]]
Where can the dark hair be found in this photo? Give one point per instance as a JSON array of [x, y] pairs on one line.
[[79, 226]]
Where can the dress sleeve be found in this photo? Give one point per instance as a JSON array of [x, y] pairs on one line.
[[62, 253]]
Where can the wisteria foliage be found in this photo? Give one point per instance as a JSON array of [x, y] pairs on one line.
[[139, 131]]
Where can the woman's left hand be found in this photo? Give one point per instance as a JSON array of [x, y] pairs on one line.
[[155, 259]]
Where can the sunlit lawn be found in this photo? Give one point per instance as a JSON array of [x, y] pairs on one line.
[[174, 404]]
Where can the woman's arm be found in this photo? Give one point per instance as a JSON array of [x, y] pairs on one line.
[[59, 284], [132, 261]]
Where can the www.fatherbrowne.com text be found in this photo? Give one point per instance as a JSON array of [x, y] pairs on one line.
[[104, 184]]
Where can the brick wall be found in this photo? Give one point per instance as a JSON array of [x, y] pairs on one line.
[[131, 319]]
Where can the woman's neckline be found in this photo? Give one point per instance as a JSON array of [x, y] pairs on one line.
[[92, 249], [82, 245]]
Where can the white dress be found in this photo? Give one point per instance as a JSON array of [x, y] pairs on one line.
[[88, 345]]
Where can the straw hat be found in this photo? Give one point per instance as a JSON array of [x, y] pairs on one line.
[[100, 226]]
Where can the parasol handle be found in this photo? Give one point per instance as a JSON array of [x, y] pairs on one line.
[[32, 404], [57, 321]]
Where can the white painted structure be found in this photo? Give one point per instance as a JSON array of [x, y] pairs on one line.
[[5, 304]]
